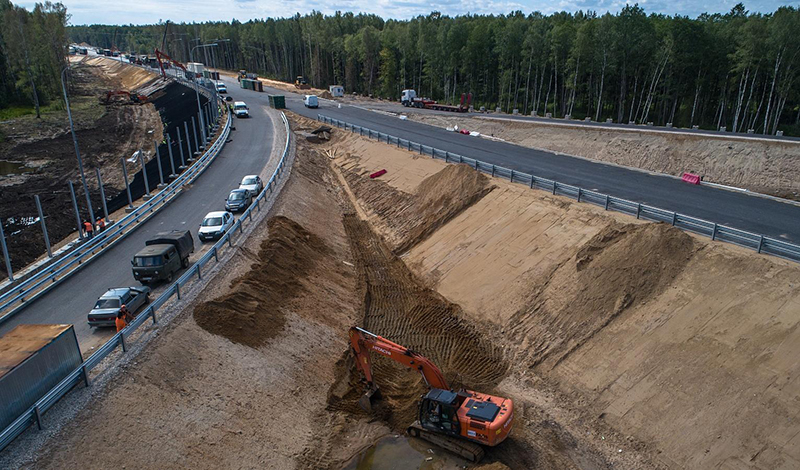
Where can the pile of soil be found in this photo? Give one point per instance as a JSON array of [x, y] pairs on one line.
[[252, 311], [617, 269], [398, 307], [411, 218], [326, 94]]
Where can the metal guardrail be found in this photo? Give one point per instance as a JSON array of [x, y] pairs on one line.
[[59, 270], [81, 373], [760, 243]]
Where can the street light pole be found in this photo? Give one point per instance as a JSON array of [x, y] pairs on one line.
[[77, 152], [197, 90]]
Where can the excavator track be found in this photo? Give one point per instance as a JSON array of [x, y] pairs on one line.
[[468, 450]]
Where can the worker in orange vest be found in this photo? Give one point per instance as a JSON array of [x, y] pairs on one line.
[[101, 224], [88, 228], [120, 321], [126, 314]]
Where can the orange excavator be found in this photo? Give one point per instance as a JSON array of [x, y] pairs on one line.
[[164, 60], [456, 421]]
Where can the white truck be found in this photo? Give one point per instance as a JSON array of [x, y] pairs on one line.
[[240, 109], [195, 68]]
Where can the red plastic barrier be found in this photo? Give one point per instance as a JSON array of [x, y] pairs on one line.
[[691, 178], [464, 131], [378, 173]]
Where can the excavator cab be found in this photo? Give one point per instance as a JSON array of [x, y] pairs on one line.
[[438, 411]]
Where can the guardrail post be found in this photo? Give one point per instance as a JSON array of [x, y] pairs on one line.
[[398, 142], [638, 210], [492, 170], [554, 188], [674, 218], [38, 415], [197, 268], [579, 194], [122, 340], [760, 243], [476, 165], [153, 314], [608, 199], [714, 233], [409, 145], [85, 373], [512, 176], [420, 149], [216, 255], [446, 156]]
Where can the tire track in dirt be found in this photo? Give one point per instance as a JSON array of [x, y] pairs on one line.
[[397, 306]]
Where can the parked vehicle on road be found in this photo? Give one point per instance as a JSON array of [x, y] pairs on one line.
[[252, 183], [221, 88], [214, 225], [163, 256], [238, 200], [311, 101], [240, 109], [107, 307]]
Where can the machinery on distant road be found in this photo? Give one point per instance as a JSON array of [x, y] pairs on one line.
[[409, 99], [163, 59], [135, 98], [474, 418], [301, 83]]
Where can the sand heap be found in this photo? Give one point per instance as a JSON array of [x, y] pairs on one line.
[[618, 268], [253, 311]]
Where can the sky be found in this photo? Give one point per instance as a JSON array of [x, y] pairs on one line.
[[151, 11]]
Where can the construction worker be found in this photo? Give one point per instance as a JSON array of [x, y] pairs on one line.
[[120, 321], [88, 228], [101, 224], [126, 313]]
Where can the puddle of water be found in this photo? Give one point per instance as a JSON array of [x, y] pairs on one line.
[[405, 453], [13, 168]]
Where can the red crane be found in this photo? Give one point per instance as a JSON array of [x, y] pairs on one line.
[[160, 55]]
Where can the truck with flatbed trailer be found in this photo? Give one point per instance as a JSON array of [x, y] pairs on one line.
[[409, 99]]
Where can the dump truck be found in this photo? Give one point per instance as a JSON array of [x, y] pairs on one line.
[[460, 421], [163, 256], [409, 99]]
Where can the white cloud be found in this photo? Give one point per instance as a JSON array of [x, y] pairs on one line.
[[151, 11]]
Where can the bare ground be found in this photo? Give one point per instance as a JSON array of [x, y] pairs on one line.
[[104, 134], [768, 167], [624, 344]]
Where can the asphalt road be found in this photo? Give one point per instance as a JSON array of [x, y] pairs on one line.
[[746, 212], [71, 301]]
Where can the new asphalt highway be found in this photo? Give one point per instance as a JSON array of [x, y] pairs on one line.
[[752, 213]]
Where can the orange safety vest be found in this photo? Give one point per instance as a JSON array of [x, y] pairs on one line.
[[88, 227], [121, 323], [101, 223]]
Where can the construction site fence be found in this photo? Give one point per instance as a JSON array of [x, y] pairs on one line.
[[59, 269], [150, 313], [757, 242]]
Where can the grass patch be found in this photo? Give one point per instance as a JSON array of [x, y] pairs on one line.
[[13, 112]]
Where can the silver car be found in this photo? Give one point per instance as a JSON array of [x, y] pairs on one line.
[[108, 305]]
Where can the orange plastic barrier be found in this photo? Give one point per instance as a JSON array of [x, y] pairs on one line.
[[377, 173], [691, 178]]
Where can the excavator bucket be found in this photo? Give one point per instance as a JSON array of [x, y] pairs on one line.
[[365, 402]]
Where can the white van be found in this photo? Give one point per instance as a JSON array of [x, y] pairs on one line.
[[240, 109], [311, 101]]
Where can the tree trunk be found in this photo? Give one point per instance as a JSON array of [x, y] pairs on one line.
[[772, 89], [602, 82]]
